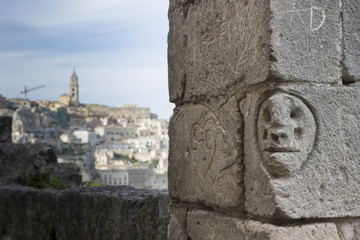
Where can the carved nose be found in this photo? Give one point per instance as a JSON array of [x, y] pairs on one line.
[[279, 136], [278, 122]]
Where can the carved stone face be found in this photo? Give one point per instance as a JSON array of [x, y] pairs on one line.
[[286, 133]]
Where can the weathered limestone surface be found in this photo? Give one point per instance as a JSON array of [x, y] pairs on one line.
[[205, 158], [202, 225], [219, 47], [177, 225], [348, 229], [351, 34], [216, 45], [83, 213], [306, 40], [302, 151], [293, 149], [5, 129], [18, 160]]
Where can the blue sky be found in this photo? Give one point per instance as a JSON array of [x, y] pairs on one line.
[[118, 48]]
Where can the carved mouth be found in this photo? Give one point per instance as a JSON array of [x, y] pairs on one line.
[[273, 149]]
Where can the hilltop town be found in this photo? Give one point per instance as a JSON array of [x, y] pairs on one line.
[[123, 145]]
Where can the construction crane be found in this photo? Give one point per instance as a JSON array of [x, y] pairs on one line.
[[31, 89]]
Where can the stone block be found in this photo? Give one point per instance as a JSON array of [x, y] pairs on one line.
[[301, 151], [219, 47], [202, 225], [5, 129], [177, 224], [351, 34], [205, 157], [215, 46], [306, 40]]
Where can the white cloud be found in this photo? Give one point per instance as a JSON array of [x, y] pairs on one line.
[[55, 13]]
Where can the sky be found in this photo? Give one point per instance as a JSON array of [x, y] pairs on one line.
[[117, 47]]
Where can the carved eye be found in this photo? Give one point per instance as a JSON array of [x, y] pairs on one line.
[[267, 115], [298, 132], [265, 135], [295, 113]]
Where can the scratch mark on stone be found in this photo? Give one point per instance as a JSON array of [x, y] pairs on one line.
[[311, 18], [227, 167]]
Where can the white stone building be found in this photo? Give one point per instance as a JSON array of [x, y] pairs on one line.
[[85, 136], [140, 175]]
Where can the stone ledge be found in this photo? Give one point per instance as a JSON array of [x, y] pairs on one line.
[[83, 213], [190, 223], [209, 225]]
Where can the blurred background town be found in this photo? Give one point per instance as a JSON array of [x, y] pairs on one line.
[[89, 78], [122, 145]]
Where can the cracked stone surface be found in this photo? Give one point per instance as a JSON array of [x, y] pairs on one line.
[[318, 181], [216, 45], [205, 158], [203, 225], [351, 34], [177, 225]]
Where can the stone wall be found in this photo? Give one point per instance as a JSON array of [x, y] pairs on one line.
[[83, 213], [267, 119]]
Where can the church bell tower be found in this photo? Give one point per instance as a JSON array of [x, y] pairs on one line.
[[74, 90]]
